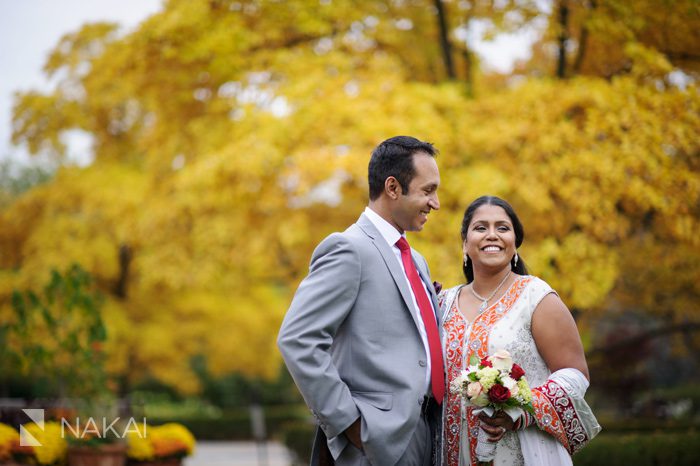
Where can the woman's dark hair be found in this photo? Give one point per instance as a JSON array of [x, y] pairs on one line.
[[520, 268]]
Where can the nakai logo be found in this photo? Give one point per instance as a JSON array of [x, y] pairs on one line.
[[26, 439], [91, 428]]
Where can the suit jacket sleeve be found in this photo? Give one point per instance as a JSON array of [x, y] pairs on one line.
[[322, 302]]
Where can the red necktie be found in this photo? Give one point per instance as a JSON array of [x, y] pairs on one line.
[[437, 378]]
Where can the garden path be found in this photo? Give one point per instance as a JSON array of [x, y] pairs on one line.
[[239, 454]]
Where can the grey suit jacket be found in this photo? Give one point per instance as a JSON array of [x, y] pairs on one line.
[[352, 345]]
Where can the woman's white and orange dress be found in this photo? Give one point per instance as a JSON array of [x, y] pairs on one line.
[[563, 420]]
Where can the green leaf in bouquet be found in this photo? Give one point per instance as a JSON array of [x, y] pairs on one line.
[[512, 403], [529, 408]]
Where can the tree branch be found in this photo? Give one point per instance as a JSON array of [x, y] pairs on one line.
[[291, 41], [682, 56], [444, 39]]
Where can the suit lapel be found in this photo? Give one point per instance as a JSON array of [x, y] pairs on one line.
[[428, 284], [391, 262]]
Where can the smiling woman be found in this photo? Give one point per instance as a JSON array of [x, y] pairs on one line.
[[502, 307], [490, 222], [490, 239]]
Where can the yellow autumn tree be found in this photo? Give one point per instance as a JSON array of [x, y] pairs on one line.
[[230, 137], [605, 37]]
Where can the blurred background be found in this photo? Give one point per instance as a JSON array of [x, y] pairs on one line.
[[169, 176]]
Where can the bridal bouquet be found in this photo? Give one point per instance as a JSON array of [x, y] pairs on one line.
[[494, 383]]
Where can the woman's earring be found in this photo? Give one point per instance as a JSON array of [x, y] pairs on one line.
[[465, 260], [515, 260]]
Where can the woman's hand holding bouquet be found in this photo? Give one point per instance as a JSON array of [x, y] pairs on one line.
[[494, 384]]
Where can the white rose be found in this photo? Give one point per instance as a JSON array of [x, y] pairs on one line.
[[511, 384], [474, 389], [501, 360]]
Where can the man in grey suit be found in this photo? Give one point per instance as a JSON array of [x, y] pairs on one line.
[[361, 335]]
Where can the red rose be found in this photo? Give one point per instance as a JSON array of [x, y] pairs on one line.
[[499, 394], [486, 363], [516, 372]]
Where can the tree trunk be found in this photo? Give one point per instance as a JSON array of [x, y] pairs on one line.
[[583, 40], [468, 71], [563, 37], [444, 40], [124, 262]]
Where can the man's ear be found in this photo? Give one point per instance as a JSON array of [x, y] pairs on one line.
[[392, 187]]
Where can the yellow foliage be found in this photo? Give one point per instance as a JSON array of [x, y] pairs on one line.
[[139, 446], [613, 37], [52, 446], [167, 440], [8, 437], [229, 142]]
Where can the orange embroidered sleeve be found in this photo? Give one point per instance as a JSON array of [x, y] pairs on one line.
[[556, 414]]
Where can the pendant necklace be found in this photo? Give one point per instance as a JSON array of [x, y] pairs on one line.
[[485, 302]]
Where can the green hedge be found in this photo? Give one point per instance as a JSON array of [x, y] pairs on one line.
[[298, 437], [634, 449], [647, 425], [235, 424], [642, 449]]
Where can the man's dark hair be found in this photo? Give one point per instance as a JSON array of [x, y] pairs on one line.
[[394, 157]]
